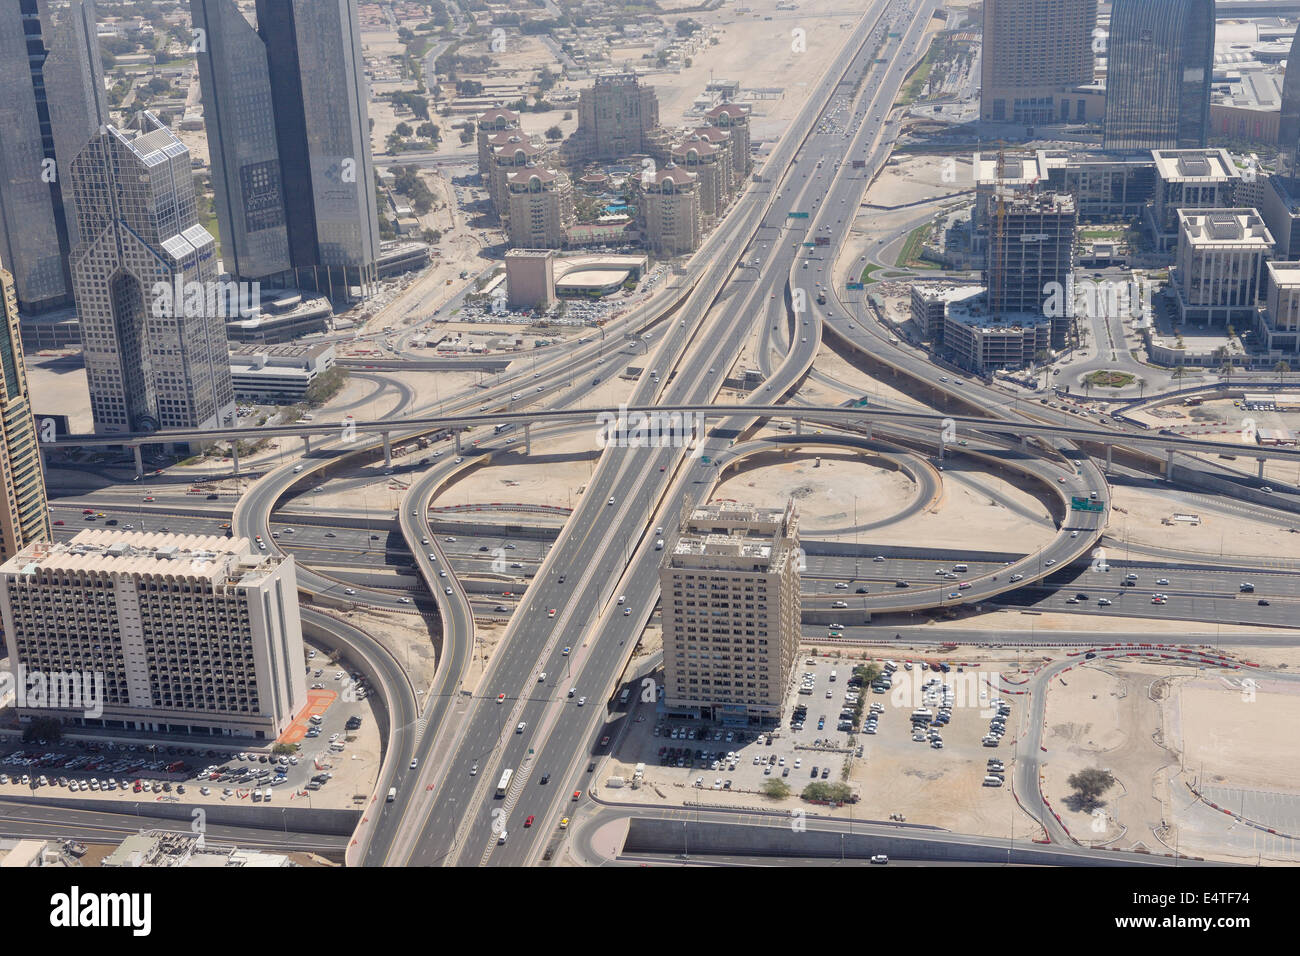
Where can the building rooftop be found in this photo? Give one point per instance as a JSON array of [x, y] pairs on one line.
[[216, 559], [1224, 227], [1192, 165]]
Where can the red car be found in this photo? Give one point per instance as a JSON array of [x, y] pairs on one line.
[[87, 511], [501, 698], [604, 741], [529, 821], [576, 795], [58, 523]]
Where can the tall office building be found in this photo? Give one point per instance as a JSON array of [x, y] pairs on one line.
[[285, 104], [179, 633], [1288, 131], [1034, 53], [541, 208], [730, 593], [1160, 64], [154, 359], [1031, 251], [51, 103], [24, 513]]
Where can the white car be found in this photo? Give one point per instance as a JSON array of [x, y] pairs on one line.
[[522, 726], [447, 590], [349, 591]]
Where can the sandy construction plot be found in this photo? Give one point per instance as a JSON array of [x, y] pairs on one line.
[[566, 466], [1235, 738], [826, 495], [1103, 715], [1137, 514]]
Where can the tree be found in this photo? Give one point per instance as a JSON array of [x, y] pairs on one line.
[[43, 728], [776, 789], [555, 134], [1282, 368], [404, 130], [1088, 786], [394, 143], [428, 131]]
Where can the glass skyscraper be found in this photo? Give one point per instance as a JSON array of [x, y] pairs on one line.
[[1160, 64]]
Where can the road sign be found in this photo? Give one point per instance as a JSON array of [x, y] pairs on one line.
[[1083, 504], [796, 215], [855, 287]]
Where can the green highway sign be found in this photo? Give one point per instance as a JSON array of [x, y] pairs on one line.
[[796, 215], [854, 287], [1084, 504]]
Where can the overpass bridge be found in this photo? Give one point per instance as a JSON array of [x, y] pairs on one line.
[[655, 419]]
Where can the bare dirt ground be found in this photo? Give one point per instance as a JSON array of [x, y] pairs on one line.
[[826, 495], [1137, 515], [517, 479], [1103, 716]]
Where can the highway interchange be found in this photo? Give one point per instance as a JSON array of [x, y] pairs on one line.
[[445, 754]]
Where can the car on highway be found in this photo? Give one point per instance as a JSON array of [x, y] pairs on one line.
[[577, 794], [415, 762], [529, 821], [446, 590], [521, 727], [349, 591], [407, 600], [501, 698], [611, 501], [550, 612], [582, 701]]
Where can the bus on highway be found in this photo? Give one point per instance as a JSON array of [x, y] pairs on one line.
[[504, 783]]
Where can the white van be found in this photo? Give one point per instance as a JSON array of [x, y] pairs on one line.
[[502, 838], [392, 794], [659, 544], [297, 469], [992, 781], [622, 598], [834, 674]]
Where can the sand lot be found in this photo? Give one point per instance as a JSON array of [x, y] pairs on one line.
[[1137, 513], [1239, 737], [826, 495]]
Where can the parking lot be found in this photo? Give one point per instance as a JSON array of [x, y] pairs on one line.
[[337, 758], [894, 765]]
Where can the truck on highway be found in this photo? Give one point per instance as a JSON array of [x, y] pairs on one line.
[[392, 794], [504, 783]]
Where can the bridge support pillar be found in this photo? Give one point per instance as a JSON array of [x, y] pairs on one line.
[[139, 461], [306, 443], [528, 438], [458, 441], [388, 451], [798, 426], [1109, 449], [942, 447], [869, 431], [1169, 464], [1261, 466], [234, 454]]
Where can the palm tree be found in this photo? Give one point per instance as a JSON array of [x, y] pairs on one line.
[[1282, 368], [1142, 387]]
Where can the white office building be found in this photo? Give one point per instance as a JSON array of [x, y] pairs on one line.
[[731, 610], [179, 633]]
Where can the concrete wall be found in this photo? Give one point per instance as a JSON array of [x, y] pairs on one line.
[[730, 839], [276, 817]]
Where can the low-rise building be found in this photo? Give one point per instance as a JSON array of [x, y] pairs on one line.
[[278, 374], [1188, 179]]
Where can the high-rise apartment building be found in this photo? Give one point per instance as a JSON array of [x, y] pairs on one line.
[[1159, 68], [1288, 128], [730, 596], [177, 633], [670, 200], [24, 513], [1031, 254], [1035, 52], [541, 208], [51, 103], [735, 120], [285, 104], [154, 359], [615, 118]]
